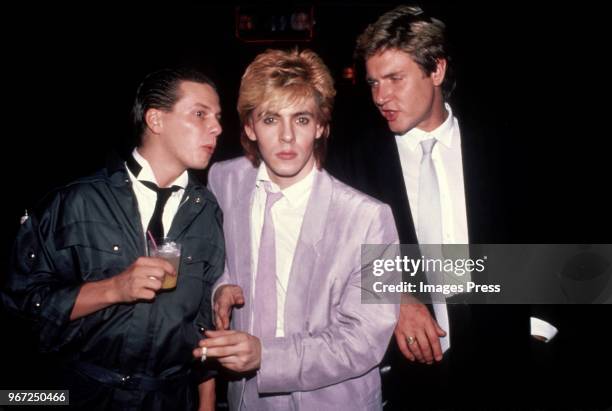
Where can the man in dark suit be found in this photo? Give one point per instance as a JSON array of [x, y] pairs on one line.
[[436, 173]]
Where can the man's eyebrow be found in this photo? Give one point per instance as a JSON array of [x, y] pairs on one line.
[[203, 106], [303, 113], [268, 113], [386, 75]]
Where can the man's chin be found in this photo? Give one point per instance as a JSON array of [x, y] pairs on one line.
[[397, 130]]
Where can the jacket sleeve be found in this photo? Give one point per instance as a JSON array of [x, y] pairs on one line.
[[352, 345], [42, 282]]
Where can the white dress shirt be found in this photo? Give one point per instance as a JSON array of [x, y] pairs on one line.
[[146, 198], [446, 156], [288, 215]]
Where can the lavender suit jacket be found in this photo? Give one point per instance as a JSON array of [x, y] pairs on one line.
[[333, 343]]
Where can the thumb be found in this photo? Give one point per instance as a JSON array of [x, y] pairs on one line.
[[238, 297]]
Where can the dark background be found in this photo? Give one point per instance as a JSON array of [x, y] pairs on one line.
[[535, 73]]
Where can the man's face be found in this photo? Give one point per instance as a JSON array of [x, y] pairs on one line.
[[286, 140], [405, 96], [191, 129]]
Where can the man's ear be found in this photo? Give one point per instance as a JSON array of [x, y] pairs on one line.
[[320, 130], [248, 129], [438, 74], [154, 120]]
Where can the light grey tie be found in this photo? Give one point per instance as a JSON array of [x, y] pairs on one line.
[[430, 229], [265, 284], [430, 211]]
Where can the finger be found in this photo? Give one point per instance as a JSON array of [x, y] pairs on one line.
[[414, 348], [219, 333], [152, 283], [221, 341], [238, 296], [154, 262], [224, 313], [434, 341], [440, 331], [403, 346], [218, 322], [145, 294], [425, 347], [146, 272], [225, 321], [229, 362], [164, 265], [436, 348], [221, 352]]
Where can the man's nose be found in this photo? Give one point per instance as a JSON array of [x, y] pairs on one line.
[[381, 95], [287, 134], [214, 127]]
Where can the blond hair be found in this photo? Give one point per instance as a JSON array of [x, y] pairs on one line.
[[278, 78]]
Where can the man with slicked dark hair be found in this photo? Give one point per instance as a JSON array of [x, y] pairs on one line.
[[83, 276]]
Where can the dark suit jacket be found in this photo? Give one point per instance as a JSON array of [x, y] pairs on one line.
[[489, 344]]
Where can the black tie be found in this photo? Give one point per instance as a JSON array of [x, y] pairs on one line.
[[156, 226]]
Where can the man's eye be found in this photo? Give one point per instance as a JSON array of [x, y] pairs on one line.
[[372, 83], [268, 120], [396, 78], [200, 113], [303, 121]]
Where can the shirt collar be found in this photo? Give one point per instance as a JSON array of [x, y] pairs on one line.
[[443, 133], [295, 193], [146, 172]]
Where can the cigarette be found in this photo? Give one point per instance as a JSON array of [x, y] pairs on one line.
[[204, 351]]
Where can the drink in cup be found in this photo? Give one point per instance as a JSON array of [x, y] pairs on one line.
[[171, 252]]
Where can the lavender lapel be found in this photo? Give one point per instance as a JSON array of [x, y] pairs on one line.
[[241, 247], [303, 268]]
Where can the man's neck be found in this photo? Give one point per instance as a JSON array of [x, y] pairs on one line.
[[286, 182], [437, 117], [164, 167]]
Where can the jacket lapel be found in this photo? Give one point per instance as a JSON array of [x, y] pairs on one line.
[[306, 252], [241, 227], [192, 204], [126, 203], [393, 188]]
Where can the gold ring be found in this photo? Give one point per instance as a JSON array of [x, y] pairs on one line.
[[411, 340]]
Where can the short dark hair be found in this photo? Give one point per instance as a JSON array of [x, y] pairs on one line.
[[160, 90], [411, 30]]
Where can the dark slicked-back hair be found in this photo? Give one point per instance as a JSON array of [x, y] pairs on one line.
[[160, 90], [409, 29]]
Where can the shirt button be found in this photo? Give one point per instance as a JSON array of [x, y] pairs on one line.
[[198, 200], [189, 258], [37, 304], [32, 256], [115, 248]]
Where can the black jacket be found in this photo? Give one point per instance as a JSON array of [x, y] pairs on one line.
[[91, 230], [489, 344]]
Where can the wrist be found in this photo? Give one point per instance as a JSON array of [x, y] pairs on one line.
[[111, 294]]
